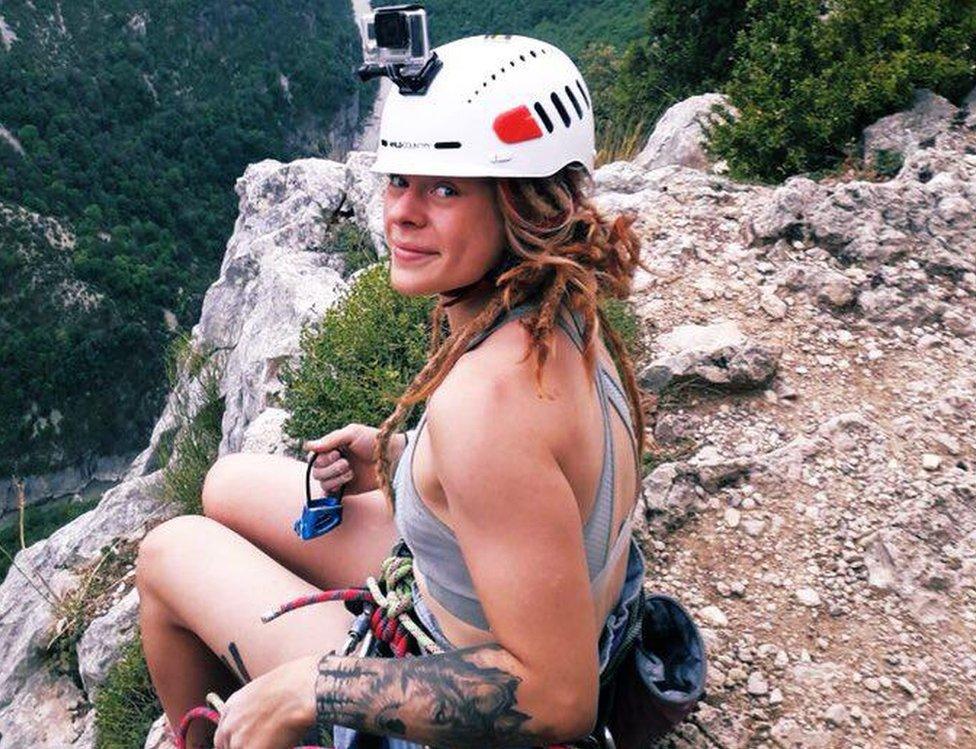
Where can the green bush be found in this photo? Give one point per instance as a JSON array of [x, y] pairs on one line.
[[126, 705], [686, 50], [807, 85], [354, 243], [196, 439], [620, 313], [358, 359]]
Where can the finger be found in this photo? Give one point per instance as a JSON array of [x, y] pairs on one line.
[[327, 459], [328, 442], [336, 482], [331, 470]]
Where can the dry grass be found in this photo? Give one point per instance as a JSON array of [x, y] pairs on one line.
[[620, 142]]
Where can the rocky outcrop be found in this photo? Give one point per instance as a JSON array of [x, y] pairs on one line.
[[679, 136], [716, 354], [903, 132], [61, 483], [811, 495]]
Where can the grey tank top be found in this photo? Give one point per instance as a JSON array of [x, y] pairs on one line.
[[437, 555]]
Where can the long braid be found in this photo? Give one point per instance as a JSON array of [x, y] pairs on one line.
[[561, 250]]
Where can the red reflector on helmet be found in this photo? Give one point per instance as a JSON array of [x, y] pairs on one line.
[[516, 125]]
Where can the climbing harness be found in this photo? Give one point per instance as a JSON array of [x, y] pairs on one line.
[[323, 514], [383, 625]]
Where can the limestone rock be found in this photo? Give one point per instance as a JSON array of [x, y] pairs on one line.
[[679, 134], [99, 646], [929, 115], [719, 354]]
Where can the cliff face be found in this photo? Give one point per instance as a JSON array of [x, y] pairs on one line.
[[813, 499]]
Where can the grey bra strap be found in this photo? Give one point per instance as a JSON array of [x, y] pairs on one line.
[[503, 317], [613, 556]]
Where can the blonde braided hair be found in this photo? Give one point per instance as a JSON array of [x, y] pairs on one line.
[[562, 249]]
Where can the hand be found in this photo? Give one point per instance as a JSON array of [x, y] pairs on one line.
[[273, 711], [358, 470]]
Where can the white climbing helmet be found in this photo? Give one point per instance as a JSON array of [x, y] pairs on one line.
[[503, 105]]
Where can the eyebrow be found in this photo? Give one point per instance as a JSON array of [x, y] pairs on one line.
[[429, 177]]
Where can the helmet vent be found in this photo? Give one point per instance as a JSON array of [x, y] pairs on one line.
[[503, 69], [544, 116], [560, 107], [583, 92], [576, 106]]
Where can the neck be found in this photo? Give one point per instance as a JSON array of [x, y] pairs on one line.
[[463, 304], [461, 311]]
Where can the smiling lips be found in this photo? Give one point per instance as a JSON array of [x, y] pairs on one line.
[[413, 248]]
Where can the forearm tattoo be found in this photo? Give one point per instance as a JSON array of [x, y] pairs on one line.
[[461, 698]]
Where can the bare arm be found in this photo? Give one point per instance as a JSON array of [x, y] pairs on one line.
[[460, 698], [518, 526]]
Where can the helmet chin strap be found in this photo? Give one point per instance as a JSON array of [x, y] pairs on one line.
[[483, 284]]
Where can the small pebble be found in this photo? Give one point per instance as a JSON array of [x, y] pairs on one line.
[[808, 596], [714, 615], [837, 714], [756, 684]]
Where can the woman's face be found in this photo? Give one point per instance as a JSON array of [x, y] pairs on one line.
[[456, 220]]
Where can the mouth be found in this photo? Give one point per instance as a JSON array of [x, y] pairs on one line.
[[411, 252]]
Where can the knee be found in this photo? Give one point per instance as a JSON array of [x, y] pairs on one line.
[[172, 537], [219, 485]]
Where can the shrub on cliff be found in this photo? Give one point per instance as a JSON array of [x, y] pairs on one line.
[[358, 358], [686, 50], [806, 84], [126, 705]]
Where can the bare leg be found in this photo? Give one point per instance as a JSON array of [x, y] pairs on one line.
[[182, 668], [202, 591], [260, 496]]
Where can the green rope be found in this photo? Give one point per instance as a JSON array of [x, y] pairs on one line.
[[397, 602]]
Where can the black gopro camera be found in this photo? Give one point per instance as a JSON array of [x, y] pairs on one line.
[[396, 44]]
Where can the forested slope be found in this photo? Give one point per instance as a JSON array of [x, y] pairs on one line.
[[569, 24], [127, 123]]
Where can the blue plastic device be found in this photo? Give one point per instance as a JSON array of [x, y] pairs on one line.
[[319, 516]]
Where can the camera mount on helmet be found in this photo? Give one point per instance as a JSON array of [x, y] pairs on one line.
[[395, 44]]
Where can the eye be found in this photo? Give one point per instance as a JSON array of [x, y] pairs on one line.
[[447, 186], [393, 180]]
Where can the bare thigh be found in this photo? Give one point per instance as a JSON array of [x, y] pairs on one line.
[[217, 584], [260, 496]]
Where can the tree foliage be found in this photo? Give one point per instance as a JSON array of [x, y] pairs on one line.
[[686, 50], [134, 125], [806, 85]]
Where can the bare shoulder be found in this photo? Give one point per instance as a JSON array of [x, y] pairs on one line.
[[497, 380]]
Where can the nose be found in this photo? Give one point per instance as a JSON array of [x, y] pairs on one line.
[[405, 207]]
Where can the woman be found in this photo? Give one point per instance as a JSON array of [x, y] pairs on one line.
[[514, 491]]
